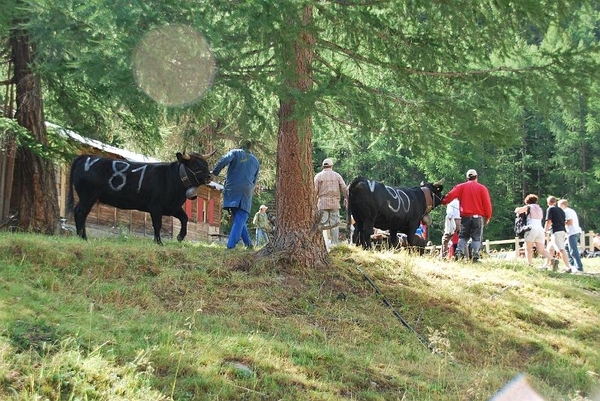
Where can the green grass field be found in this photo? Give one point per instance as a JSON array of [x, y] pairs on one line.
[[124, 319]]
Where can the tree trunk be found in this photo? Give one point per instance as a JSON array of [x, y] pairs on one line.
[[297, 240], [7, 164], [34, 190]]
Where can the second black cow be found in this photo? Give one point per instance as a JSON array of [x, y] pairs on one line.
[[399, 210], [157, 188]]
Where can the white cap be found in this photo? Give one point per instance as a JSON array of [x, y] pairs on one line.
[[327, 162], [263, 207], [471, 173]]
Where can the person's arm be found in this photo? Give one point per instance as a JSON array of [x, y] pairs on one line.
[[568, 221], [256, 174], [548, 223], [343, 190], [522, 209], [488, 206], [224, 161], [450, 196], [457, 221]]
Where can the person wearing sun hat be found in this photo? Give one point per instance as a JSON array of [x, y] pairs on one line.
[[262, 224], [329, 185], [475, 213]]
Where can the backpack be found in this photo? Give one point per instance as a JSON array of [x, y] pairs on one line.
[[521, 226]]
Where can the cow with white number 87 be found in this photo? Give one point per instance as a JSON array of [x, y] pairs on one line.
[[157, 188]]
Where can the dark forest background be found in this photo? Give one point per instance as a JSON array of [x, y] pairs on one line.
[[397, 92]]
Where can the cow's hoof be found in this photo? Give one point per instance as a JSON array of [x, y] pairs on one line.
[[179, 238]]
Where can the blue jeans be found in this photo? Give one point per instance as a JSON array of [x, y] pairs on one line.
[[573, 251], [261, 237], [470, 228], [239, 229]]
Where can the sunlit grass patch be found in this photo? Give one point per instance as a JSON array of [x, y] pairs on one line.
[[374, 325]]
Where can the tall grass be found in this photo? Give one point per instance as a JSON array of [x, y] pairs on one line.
[[124, 319]]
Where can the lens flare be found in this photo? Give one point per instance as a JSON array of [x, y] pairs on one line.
[[174, 65]]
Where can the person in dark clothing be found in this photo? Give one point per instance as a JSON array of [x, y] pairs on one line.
[[555, 222], [242, 174]]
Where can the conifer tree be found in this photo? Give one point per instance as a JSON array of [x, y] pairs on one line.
[[427, 75]]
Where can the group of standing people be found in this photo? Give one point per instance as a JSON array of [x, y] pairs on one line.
[[563, 224], [469, 210], [468, 219], [242, 174]]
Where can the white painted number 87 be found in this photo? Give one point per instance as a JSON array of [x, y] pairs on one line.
[[119, 170]]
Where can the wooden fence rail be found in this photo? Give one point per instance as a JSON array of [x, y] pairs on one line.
[[585, 243]]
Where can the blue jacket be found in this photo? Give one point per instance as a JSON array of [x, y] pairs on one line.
[[242, 173]]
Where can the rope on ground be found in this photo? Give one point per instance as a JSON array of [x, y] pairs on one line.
[[396, 313]]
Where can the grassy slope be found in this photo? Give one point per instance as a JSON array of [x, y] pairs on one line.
[[125, 319]]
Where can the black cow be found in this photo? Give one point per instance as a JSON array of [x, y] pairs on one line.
[[157, 188], [399, 210]]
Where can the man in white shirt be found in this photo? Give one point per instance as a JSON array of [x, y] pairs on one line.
[[573, 233], [451, 225]]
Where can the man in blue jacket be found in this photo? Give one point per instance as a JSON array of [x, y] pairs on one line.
[[242, 174]]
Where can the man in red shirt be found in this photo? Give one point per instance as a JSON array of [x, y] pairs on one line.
[[475, 213]]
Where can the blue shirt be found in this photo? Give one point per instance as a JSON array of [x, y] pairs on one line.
[[242, 174]]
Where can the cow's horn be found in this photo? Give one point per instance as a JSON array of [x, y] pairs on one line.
[[439, 183], [209, 154], [185, 156]]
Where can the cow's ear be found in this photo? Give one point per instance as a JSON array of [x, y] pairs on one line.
[[180, 157]]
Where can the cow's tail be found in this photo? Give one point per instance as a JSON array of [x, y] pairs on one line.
[[70, 196], [349, 217]]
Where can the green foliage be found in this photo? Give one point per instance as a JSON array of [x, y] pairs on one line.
[[400, 93]]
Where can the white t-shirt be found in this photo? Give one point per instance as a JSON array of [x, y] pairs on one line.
[[571, 215], [452, 212]]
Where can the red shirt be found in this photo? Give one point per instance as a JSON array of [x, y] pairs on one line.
[[474, 199]]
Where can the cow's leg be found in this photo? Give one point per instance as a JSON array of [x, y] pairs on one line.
[[367, 231], [415, 242], [80, 213], [357, 234], [183, 219], [157, 225], [410, 237], [393, 240]]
